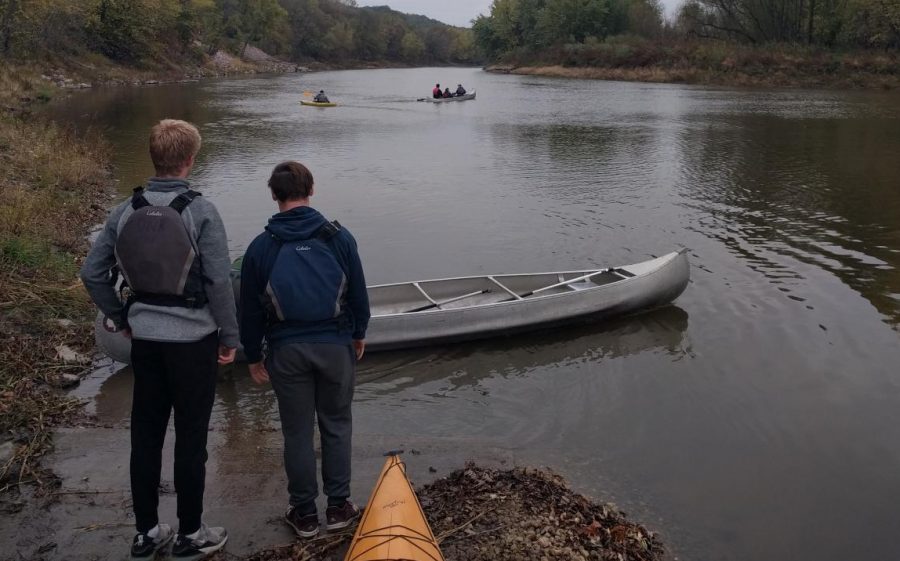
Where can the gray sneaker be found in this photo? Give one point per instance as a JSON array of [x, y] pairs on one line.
[[207, 541], [145, 546]]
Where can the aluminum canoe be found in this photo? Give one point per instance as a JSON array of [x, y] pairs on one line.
[[415, 314], [405, 314], [465, 97]]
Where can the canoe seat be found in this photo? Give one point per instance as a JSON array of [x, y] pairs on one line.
[[583, 285]]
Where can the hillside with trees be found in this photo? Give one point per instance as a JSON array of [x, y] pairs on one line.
[[154, 33], [766, 42]]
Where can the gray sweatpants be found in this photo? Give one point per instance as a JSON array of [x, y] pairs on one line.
[[314, 379]]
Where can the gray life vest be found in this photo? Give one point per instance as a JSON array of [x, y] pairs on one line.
[[156, 256]]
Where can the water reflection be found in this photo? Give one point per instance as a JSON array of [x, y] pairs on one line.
[[125, 114], [466, 365], [241, 406], [822, 194]]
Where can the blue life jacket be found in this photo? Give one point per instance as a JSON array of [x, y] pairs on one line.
[[308, 282]]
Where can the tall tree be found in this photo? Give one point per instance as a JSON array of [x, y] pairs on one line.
[[118, 29], [258, 20], [413, 47]]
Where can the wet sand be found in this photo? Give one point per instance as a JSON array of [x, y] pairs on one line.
[[89, 516]]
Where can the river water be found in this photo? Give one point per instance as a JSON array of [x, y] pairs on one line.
[[757, 419]]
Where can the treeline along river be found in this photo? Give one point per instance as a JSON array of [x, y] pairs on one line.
[[757, 419]]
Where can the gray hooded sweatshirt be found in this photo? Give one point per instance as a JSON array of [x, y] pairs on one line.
[[167, 323]]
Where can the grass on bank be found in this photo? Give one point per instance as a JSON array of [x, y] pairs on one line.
[[51, 184], [712, 62]]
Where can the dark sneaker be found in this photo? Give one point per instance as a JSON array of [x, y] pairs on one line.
[[204, 542], [305, 526], [337, 517], [145, 546]]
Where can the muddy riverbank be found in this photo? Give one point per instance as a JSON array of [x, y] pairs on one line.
[[56, 186]]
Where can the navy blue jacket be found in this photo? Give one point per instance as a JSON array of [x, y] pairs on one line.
[[301, 223]]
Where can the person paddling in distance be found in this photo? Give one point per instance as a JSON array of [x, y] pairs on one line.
[[170, 246], [303, 290], [321, 97], [436, 92]]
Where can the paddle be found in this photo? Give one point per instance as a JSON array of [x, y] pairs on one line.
[[307, 93], [442, 302]]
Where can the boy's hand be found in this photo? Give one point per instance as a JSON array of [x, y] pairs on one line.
[[111, 327], [226, 355], [359, 346], [259, 373]]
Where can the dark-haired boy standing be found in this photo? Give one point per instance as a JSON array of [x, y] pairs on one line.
[[303, 289]]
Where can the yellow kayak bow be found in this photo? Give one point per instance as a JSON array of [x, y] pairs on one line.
[[393, 526]]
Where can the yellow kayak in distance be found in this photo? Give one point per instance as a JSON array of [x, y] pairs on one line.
[[318, 103], [393, 526]]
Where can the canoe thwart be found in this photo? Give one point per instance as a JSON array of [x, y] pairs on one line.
[[560, 284], [504, 287], [436, 304]]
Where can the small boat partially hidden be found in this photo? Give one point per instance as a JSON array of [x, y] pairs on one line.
[[465, 97], [318, 103], [412, 314], [393, 526]]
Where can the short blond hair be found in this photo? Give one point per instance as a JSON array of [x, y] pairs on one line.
[[172, 144]]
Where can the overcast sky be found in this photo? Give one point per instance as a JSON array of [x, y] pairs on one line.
[[456, 12]]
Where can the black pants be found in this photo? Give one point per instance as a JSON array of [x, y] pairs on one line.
[[166, 376]]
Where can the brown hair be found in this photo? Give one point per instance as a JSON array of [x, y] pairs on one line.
[[291, 181], [172, 144]]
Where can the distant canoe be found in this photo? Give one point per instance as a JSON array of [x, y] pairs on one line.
[[318, 103], [430, 312], [466, 97]]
